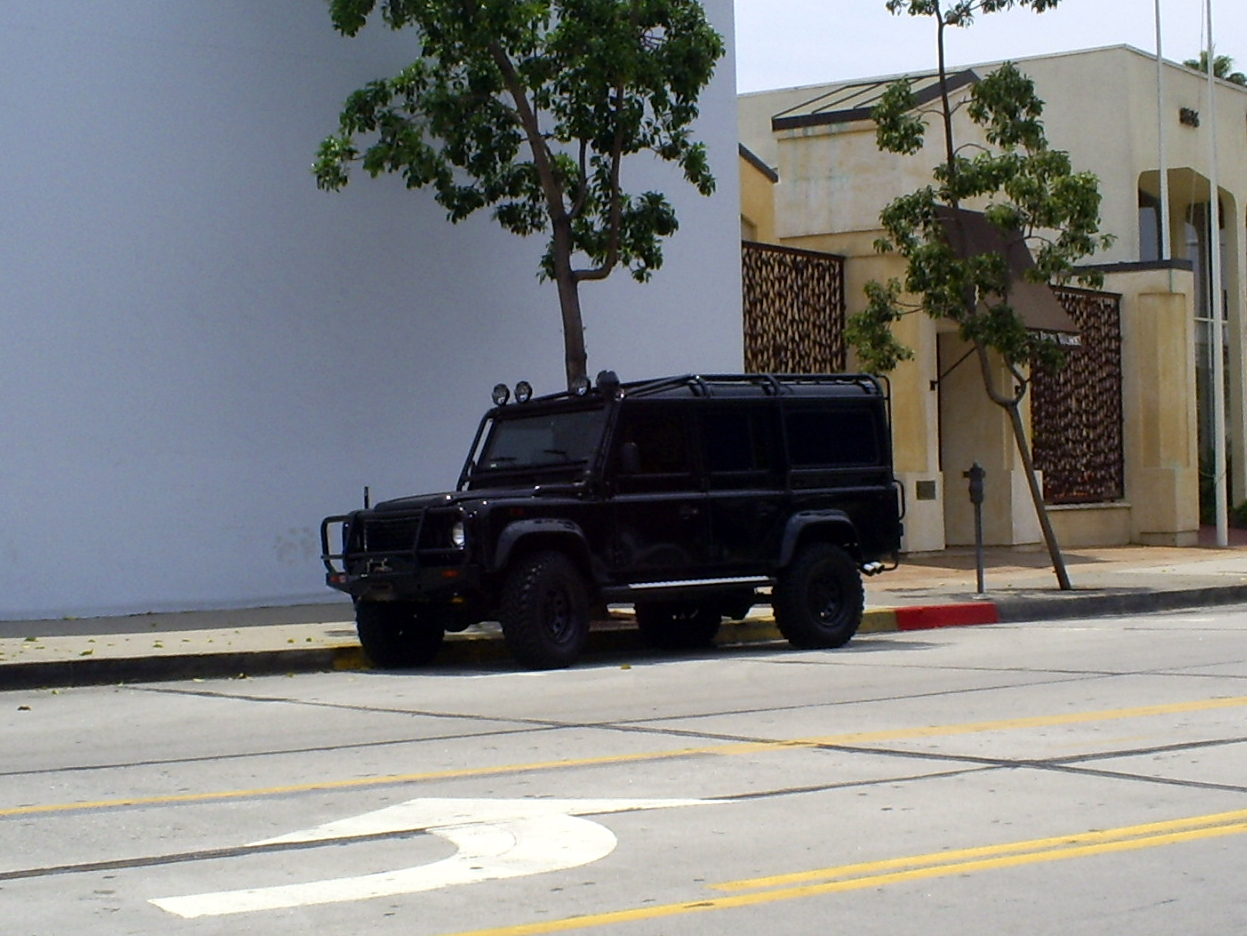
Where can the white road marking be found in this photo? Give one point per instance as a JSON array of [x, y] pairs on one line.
[[496, 839]]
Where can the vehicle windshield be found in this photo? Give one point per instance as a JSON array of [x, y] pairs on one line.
[[541, 440]]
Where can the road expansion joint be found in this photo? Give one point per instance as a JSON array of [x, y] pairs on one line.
[[1145, 778]]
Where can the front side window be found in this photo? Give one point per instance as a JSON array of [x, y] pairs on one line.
[[652, 453], [653, 442]]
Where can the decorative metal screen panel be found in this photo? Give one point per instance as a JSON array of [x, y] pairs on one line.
[[793, 309], [1076, 413]]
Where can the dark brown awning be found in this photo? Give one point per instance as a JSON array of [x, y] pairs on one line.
[[1035, 303]]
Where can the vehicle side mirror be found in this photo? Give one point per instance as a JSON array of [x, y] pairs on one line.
[[630, 458]]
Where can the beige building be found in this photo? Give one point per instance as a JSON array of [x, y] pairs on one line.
[[1125, 430]]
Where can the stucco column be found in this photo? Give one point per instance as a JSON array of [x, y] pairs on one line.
[[974, 429], [1162, 463], [915, 435]]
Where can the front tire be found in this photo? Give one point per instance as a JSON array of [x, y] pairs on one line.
[[545, 612], [395, 636], [819, 598], [677, 627]]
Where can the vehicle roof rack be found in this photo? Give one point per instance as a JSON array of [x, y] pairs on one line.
[[715, 385], [737, 385]]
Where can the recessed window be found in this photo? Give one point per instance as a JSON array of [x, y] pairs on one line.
[[832, 438], [1149, 227]]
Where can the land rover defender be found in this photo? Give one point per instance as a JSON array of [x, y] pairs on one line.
[[692, 498]]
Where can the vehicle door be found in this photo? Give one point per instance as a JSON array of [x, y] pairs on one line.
[[659, 524], [745, 490]]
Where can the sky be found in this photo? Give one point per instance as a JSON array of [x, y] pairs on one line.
[[788, 43]]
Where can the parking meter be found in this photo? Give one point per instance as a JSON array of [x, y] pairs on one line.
[[976, 475]]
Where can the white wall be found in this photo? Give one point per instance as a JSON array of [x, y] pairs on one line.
[[201, 354]]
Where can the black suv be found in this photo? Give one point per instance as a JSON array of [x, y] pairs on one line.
[[682, 496]]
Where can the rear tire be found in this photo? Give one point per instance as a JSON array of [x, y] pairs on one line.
[[819, 598], [545, 612], [677, 627], [395, 636]]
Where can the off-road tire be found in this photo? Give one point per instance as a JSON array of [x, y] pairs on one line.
[[545, 612], [677, 627], [819, 598], [395, 636]]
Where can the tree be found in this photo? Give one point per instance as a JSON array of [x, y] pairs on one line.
[[528, 108], [1032, 196], [1221, 65]]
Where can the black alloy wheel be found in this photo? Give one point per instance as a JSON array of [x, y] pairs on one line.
[[545, 611], [819, 598]]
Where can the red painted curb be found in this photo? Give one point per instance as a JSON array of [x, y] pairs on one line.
[[930, 617]]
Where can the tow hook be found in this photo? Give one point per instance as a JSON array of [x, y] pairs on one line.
[[872, 568]]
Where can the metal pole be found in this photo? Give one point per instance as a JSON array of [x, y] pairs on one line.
[[1215, 300], [975, 474], [1160, 136]]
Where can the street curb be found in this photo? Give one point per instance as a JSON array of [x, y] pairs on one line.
[[67, 674], [1064, 605], [606, 638], [928, 617], [612, 637]]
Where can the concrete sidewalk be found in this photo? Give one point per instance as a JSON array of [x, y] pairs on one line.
[[928, 590]]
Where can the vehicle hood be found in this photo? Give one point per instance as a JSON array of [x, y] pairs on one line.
[[420, 502]]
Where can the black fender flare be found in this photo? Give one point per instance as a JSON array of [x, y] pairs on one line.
[[549, 530], [833, 526]]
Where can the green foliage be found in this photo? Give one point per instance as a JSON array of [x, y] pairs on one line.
[[870, 331], [527, 108], [1030, 192], [1222, 67], [962, 12]]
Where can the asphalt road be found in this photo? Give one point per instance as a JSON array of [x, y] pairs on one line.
[[1071, 777]]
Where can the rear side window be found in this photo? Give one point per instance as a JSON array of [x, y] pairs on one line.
[[832, 438], [735, 441]]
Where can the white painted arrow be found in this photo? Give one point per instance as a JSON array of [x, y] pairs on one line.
[[496, 839]]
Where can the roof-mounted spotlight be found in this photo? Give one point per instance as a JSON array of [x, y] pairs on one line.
[[501, 394], [523, 391], [580, 386]]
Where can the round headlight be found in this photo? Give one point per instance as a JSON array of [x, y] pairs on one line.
[[523, 391], [501, 394], [458, 535]]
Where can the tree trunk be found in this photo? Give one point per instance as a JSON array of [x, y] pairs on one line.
[[575, 359], [1013, 406], [1041, 509]]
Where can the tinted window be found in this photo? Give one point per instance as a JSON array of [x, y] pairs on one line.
[[832, 438], [654, 441], [734, 441], [539, 440]]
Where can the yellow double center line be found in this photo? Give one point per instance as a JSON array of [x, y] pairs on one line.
[[987, 857], [764, 890], [728, 749]]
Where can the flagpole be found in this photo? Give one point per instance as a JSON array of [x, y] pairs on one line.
[[1160, 134], [1215, 300]]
